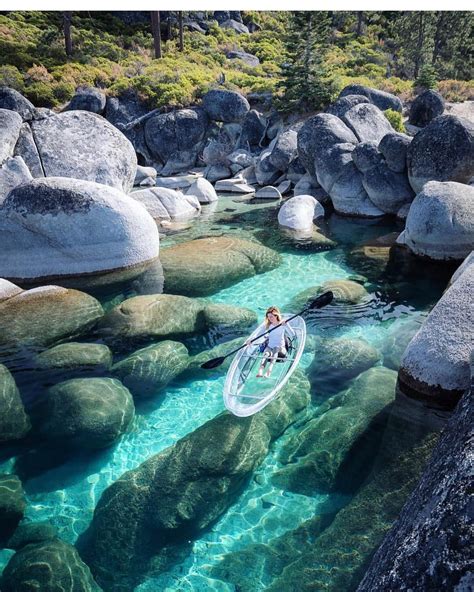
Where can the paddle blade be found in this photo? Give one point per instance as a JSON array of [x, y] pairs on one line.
[[213, 363], [322, 300]]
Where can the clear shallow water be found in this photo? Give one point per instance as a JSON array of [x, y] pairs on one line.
[[66, 496]]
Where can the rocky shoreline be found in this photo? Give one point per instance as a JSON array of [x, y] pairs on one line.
[[84, 196]]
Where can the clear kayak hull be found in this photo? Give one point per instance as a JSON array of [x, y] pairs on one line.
[[244, 393]]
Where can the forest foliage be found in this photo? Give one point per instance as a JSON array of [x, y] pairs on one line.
[[386, 50]]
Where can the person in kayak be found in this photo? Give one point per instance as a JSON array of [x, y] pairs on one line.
[[276, 340]]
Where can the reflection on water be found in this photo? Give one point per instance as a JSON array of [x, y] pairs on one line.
[[269, 528]]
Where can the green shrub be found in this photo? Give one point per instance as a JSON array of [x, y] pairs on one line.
[[427, 78], [11, 76], [396, 120]]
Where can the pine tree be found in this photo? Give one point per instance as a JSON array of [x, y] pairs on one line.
[[306, 82]]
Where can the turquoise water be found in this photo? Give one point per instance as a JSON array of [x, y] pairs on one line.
[[67, 495]]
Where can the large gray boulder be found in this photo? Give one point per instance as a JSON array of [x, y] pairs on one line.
[[48, 565], [12, 506], [13, 172], [366, 155], [381, 99], [387, 190], [285, 149], [319, 134], [14, 422], [8, 289], [425, 108], [254, 125], [27, 150], [10, 126], [394, 148], [175, 495], [367, 122], [203, 190], [76, 231], [239, 28], [265, 172], [430, 545], [225, 105], [167, 204], [75, 358], [44, 316], [247, 58], [343, 104], [169, 135], [12, 100], [299, 212], [206, 265], [435, 368], [89, 413], [85, 146], [440, 222], [442, 151], [87, 99]]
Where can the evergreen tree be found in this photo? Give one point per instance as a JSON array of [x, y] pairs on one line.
[[306, 82]]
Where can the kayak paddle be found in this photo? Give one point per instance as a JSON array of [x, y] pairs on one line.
[[318, 302]]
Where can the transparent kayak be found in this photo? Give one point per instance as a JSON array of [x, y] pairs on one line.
[[244, 393]]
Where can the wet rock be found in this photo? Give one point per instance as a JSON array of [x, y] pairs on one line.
[[429, 547], [129, 526], [149, 370], [194, 369], [381, 99], [440, 223], [31, 532], [167, 204], [371, 257], [12, 505], [8, 289], [145, 176], [316, 456], [89, 413], [10, 126], [442, 151], [87, 99], [206, 265], [99, 152], [247, 58], [164, 316], [366, 156], [397, 340], [27, 150], [48, 565], [225, 105], [239, 28], [344, 103], [92, 357], [319, 134], [75, 232], [387, 190], [12, 100], [299, 212], [344, 291], [367, 122], [394, 149], [425, 108], [435, 368], [176, 135], [285, 149], [13, 172], [268, 192], [14, 422], [203, 190], [338, 361], [43, 316]]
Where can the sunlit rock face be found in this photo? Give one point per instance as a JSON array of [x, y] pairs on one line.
[[66, 229]]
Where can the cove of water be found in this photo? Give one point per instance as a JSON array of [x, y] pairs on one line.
[[66, 495]]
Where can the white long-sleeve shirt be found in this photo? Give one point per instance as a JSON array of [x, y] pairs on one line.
[[277, 337]]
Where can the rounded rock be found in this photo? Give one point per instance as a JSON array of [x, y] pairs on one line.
[[425, 108], [14, 422], [225, 105], [203, 190], [12, 100], [381, 99], [299, 212], [88, 99], [394, 147]]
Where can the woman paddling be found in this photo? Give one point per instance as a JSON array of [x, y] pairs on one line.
[[276, 340]]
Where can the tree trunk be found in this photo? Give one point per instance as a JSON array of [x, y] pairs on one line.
[[360, 23], [419, 46], [67, 32], [181, 36], [156, 30]]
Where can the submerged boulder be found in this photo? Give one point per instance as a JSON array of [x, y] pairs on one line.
[[442, 151], [435, 368], [48, 565], [14, 422], [425, 108], [150, 369], [440, 222], [89, 413], [206, 265], [12, 506], [381, 99], [87, 99], [76, 231], [10, 126], [225, 105], [85, 146], [92, 357]]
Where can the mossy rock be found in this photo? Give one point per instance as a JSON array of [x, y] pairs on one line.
[[194, 369], [345, 292], [76, 357], [204, 266], [12, 505], [14, 421], [149, 370], [33, 532]]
